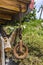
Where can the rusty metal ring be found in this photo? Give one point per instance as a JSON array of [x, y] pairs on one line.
[[21, 56]]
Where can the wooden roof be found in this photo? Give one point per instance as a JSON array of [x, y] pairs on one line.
[[24, 1], [13, 5], [10, 7]]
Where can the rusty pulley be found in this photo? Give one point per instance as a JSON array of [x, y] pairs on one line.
[[20, 50]]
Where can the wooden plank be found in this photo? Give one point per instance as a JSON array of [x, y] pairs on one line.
[[2, 21], [25, 1], [8, 11], [2, 51], [12, 5], [5, 16]]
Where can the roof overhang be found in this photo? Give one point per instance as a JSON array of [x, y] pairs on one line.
[[14, 4], [10, 7]]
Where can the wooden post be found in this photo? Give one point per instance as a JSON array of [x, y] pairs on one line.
[[2, 51]]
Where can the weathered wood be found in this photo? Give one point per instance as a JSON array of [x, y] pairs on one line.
[[5, 16], [12, 37], [24, 1], [7, 45], [2, 51], [12, 5]]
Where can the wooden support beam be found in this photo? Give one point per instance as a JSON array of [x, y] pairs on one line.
[[8, 11], [2, 51], [5, 16], [24, 1], [12, 5]]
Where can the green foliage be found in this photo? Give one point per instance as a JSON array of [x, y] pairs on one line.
[[30, 16], [33, 38]]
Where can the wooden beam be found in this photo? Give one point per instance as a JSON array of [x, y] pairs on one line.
[[5, 16], [12, 5], [2, 21], [24, 1], [8, 11], [2, 51]]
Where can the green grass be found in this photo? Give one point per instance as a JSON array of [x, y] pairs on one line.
[[33, 37]]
